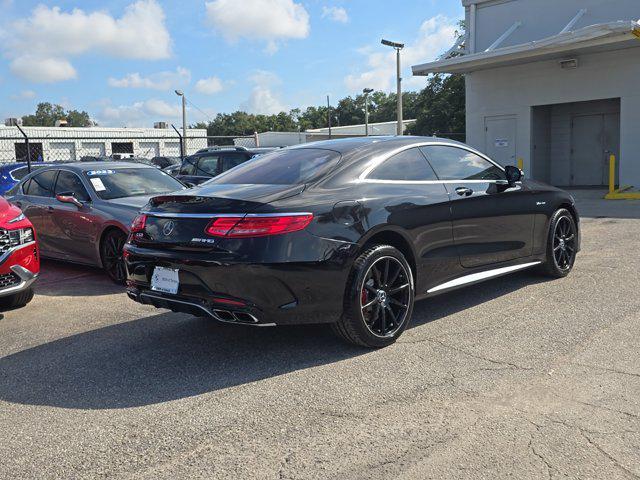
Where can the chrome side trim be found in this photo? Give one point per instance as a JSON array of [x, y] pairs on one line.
[[219, 215], [27, 278], [476, 277], [434, 182]]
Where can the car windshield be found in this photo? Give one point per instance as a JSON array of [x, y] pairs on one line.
[[131, 182], [282, 167]]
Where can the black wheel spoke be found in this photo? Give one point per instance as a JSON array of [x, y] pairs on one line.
[[398, 289], [385, 296], [397, 302], [369, 304]]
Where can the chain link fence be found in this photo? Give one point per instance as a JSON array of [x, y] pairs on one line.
[[61, 145], [72, 148]]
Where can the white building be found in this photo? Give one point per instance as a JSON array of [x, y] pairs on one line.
[[68, 143], [555, 83], [285, 139], [380, 128]]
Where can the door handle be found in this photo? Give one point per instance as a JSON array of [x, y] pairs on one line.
[[464, 191]]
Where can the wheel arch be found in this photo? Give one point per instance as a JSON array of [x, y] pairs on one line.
[[105, 231], [396, 239]]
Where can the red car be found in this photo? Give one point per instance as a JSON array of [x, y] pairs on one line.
[[19, 257]]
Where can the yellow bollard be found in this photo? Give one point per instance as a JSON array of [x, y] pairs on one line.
[[521, 164], [612, 173]]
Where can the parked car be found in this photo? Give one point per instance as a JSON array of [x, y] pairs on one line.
[[172, 169], [348, 232], [83, 211], [19, 257], [164, 162], [212, 161], [12, 173]]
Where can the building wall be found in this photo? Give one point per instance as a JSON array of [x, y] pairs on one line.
[[74, 143], [493, 18], [515, 90]]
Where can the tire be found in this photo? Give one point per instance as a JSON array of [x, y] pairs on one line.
[[16, 300], [370, 318], [561, 245], [111, 256]]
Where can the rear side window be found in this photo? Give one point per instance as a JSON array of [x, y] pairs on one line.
[[409, 165], [41, 185], [189, 166], [231, 160], [208, 166], [69, 182], [19, 173], [283, 167], [453, 163]]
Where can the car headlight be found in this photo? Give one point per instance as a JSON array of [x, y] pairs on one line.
[[15, 238], [18, 218]]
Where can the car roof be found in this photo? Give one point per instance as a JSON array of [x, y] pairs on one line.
[[351, 144], [86, 166]]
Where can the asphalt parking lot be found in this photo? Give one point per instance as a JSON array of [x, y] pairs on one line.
[[519, 377]]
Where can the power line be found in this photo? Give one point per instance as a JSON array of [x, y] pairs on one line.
[[200, 110]]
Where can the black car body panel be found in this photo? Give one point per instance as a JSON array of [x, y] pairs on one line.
[[300, 277]]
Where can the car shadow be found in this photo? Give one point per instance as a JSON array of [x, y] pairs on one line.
[[62, 279], [171, 356]]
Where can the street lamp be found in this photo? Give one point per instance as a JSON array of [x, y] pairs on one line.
[[398, 47], [366, 92], [180, 93]]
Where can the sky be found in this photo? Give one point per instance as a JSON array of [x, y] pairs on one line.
[[121, 60]]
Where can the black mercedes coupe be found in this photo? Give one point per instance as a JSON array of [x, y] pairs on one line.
[[349, 232]]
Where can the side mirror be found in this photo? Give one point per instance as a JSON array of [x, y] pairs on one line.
[[68, 197], [513, 174]]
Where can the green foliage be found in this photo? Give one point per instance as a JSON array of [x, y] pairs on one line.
[[47, 114], [440, 108]]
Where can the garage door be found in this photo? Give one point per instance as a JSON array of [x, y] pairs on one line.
[[149, 149], [62, 151], [93, 149], [172, 149], [593, 139]]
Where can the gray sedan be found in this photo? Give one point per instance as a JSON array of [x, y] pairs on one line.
[[82, 212]]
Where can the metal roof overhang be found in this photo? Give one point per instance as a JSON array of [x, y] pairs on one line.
[[601, 37]]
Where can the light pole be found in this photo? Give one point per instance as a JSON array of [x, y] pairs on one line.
[[180, 93], [398, 47], [366, 92]]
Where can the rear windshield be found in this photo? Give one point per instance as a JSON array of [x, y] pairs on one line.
[[282, 167], [131, 182]]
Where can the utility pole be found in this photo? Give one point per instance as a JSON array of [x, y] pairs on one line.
[[329, 115], [397, 47], [366, 93], [180, 93]]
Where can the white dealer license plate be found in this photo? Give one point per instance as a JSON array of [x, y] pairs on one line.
[[165, 280]]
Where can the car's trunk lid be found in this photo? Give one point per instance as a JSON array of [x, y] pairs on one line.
[[180, 220]]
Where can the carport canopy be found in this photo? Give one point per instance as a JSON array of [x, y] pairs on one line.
[[594, 38]]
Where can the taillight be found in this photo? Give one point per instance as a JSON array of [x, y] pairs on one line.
[[138, 223], [257, 226]]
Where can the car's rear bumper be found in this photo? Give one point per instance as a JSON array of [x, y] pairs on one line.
[[19, 268], [244, 291]]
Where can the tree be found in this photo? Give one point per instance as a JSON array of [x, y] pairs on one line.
[[440, 108], [47, 114]]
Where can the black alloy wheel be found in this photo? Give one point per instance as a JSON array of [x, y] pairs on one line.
[[384, 296], [562, 244], [378, 298], [111, 252]]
